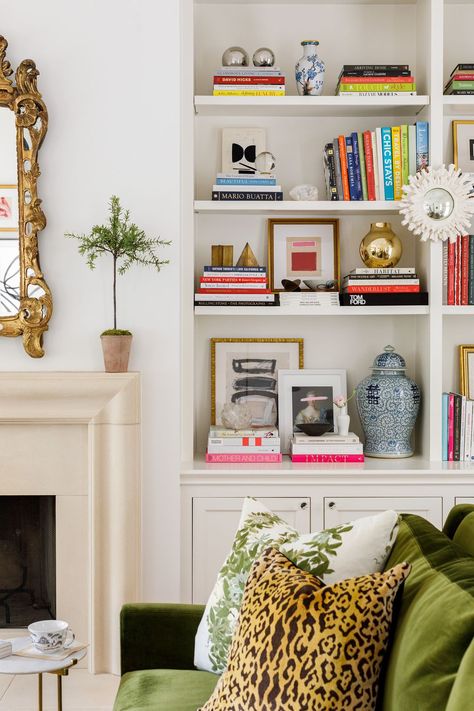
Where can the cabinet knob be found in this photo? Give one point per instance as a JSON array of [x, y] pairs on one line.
[[304, 505], [332, 504]]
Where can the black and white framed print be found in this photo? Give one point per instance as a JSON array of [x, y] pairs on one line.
[[240, 147], [245, 370], [463, 145]]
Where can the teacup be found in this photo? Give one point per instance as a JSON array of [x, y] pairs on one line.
[[49, 636]]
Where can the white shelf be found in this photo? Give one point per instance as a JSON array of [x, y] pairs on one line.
[[282, 311], [457, 310], [314, 2], [349, 207], [455, 105], [310, 105]]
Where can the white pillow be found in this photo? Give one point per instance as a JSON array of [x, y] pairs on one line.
[[350, 550]]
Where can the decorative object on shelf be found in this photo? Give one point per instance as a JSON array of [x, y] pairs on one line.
[[380, 248], [388, 403], [437, 204], [342, 418], [222, 255], [315, 429], [290, 285], [303, 248], [376, 80], [463, 146], [298, 391], [304, 192], [314, 285], [247, 258], [236, 416], [265, 162], [240, 147], [245, 370], [461, 81], [263, 57], [127, 245], [235, 57], [466, 372], [309, 70]]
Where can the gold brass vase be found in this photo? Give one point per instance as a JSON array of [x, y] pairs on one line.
[[380, 248]]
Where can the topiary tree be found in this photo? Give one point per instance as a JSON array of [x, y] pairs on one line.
[[125, 242]]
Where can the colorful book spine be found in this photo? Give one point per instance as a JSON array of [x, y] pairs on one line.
[[376, 162], [382, 74], [330, 171], [279, 80], [445, 272], [389, 281], [247, 92], [468, 430], [383, 67], [363, 169], [346, 79], [404, 150], [237, 270], [457, 283], [375, 94], [369, 165], [368, 87], [470, 291], [444, 427], [387, 163], [227, 195], [422, 145], [239, 449], [327, 458], [233, 286], [235, 303], [333, 449], [357, 171], [243, 458], [243, 441], [451, 428], [402, 289], [412, 150], [419, 298], [337, 164], [245, 181], [382, 271], [351, 174], [459, 86], [233, 279], [451, 268], [397, 162], [462, 427], [464, 270], [343, 159], [457, 426]]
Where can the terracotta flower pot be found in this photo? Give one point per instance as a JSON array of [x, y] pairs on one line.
[[116, 350]]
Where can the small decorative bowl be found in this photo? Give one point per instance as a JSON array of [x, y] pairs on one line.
[[315, 429]]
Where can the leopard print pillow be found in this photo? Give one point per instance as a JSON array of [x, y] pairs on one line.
[[300, 645]]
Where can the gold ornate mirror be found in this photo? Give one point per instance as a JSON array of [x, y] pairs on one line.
[[25, 299]]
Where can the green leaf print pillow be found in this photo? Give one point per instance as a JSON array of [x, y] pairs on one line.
[[347, 551]]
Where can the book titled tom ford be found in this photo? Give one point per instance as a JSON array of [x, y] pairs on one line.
[[246, 195]]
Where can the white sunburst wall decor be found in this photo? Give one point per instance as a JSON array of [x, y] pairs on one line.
[[437, 203]]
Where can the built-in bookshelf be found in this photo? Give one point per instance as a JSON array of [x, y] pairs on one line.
[[432, 37]]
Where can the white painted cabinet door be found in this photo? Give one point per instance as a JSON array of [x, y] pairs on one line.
[[339, 510], [215, 522], [464, 499]]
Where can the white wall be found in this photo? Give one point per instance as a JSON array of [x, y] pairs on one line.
[[110, 79]]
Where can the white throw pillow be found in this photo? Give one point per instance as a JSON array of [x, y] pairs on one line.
[[350, 550]]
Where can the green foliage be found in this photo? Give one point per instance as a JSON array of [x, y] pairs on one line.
[[124, 241], [116, 332]]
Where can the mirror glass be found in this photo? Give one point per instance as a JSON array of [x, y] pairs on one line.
[[438, 204], [9, 217]]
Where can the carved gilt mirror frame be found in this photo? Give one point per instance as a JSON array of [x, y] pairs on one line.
[[21, 96]]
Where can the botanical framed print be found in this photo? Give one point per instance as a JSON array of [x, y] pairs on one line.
[[245, 370], [240, 147], [307, 396], [303, 249], [463, 145], [9, 217], [466, 363]]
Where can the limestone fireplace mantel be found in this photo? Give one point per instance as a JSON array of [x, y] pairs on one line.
[[77, 436]]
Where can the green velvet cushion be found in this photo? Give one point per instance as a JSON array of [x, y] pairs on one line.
[[431, 662], [457, 514], [164, 690], [464, 535]]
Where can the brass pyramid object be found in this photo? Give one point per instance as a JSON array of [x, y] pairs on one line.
[[247, 258]]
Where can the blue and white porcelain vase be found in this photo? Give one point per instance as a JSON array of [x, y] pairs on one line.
[[309, 71], [388, 403]]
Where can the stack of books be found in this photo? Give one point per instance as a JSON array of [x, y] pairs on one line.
[[246, 186], [396, 286], [457, 428], [259, 445], [249, 81], [327, 448], [234, 286], [461, 81], [458, 271], [297, 299], [374, 165], [376, 80]]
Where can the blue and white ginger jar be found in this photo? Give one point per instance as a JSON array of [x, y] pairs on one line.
[[388, 403], [309, 71]]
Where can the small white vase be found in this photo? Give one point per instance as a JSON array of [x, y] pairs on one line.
[[343, 421], [309, 71]]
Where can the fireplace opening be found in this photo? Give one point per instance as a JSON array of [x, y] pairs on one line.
[[27, 559]]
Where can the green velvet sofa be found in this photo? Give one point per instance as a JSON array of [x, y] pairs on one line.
[[430, 663]]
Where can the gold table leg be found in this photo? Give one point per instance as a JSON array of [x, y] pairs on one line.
[[40, 692], [60, 693]]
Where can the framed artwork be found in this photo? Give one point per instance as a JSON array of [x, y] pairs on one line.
[[240, 147], [466, 362], [9, 217], [307, 396], [303, 249], [463, 145], [246, 370], [9, 272]]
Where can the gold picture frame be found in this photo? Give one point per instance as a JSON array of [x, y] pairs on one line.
[[274, 224], [456, 148], [298, 362], [465, 351]]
